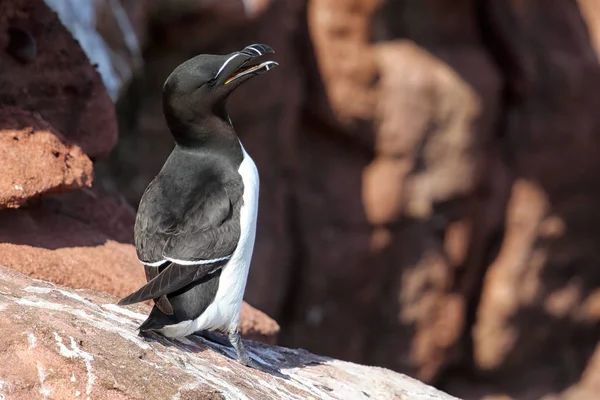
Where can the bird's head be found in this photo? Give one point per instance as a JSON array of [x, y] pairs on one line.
[[195, 93]]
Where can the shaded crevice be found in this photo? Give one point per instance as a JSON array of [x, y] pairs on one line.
[[287, 312], [505, 58], [486, 241]]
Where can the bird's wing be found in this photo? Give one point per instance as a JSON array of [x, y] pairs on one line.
[[189, 245], [162, 302], [171, 279]]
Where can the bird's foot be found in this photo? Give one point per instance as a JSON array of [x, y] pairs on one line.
[[243, 357], [214, 337]]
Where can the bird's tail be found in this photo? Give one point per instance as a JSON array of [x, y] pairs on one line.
[[156, 320], [173, 278]]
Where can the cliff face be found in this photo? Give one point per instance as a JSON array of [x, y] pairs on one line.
[[428, 198], [58, 343]]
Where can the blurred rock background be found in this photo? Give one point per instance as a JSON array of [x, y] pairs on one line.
[[428, 173]]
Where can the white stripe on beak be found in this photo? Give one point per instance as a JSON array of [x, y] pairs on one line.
[[227, 62], [266, 66], [256, 50]]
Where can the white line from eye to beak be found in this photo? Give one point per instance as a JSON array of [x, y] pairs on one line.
[[227, 62], [256, 50]]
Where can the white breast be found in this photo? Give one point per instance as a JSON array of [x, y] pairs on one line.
[[224, 311]]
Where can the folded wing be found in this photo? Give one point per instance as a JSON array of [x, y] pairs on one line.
[[183, 242]]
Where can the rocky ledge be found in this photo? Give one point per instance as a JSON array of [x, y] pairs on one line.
[[60, 343]]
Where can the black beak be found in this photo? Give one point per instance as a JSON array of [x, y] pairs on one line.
[[238, 66]]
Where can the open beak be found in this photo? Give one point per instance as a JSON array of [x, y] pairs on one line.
[[239, 65]]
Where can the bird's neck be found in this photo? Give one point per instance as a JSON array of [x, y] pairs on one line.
[[213, 131]]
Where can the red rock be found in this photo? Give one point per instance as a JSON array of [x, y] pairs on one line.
[[55, 78], [591, 13], [538, 299], [62, 344], [84, 240], [395, 142], [67, 246], [258, 326], [103, 210], [36, 160]]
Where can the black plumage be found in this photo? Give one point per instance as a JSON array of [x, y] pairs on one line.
[[188, 227], [189, 212]]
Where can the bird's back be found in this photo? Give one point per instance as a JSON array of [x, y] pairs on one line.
[[186, 181]]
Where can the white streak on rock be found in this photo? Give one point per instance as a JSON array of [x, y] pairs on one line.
[[119, 320], [155, 365], [125, 332], [77, 297], [44, 391], [36, 289], [103, 323], [201, 374], [5, 388], [124, 311], [66, 293], [62, 349], [31, 340], [34, 302], [76, 352]]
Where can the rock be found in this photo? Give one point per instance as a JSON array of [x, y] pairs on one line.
[[84, 240], [105, 211], [258, 326], [395, 143], [591, 13], [589, 385], [36, 160], [539, 303], [56, 80], [67, 242], [60, 343], [535, 327]]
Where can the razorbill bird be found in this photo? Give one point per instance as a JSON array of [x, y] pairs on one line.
[[196, 222]]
